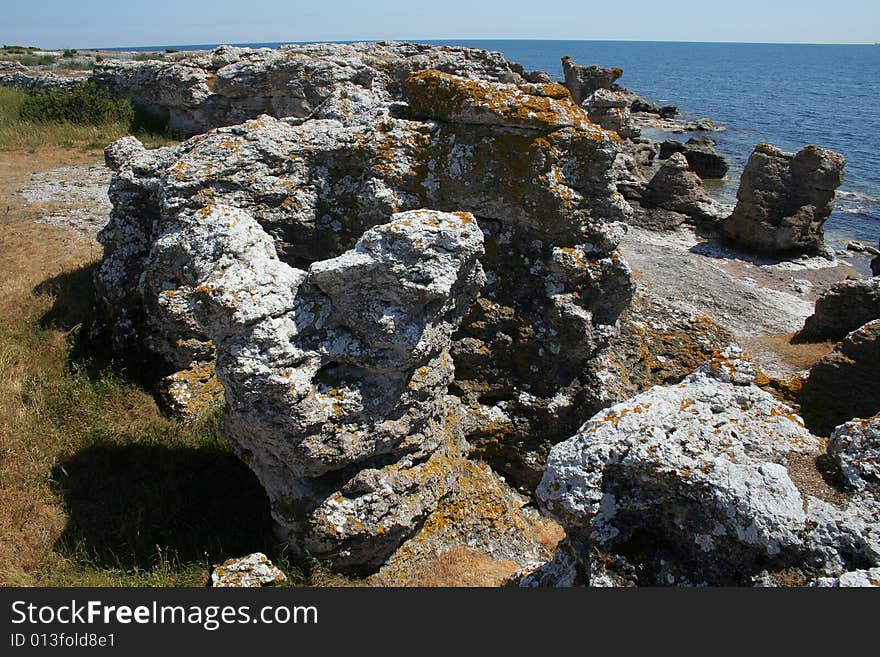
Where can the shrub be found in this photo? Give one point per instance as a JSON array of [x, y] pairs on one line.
[[69, 53], [85, 105], [147, 56], [37, 60]]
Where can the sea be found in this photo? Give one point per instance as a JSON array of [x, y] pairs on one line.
[[783, 94]]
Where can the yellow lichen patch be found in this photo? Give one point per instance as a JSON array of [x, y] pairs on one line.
[[446, 97], [194, 392]]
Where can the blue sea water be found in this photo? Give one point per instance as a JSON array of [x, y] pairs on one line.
[[786, 95]]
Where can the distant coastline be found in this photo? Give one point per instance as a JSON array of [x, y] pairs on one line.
[[277, 44]]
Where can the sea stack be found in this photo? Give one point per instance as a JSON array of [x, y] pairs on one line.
[[784, 200]]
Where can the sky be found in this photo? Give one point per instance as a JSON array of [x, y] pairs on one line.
[[119, 23]]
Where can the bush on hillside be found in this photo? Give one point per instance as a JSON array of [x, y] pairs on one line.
[[85, 105]]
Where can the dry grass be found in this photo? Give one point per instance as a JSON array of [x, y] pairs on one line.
[[799, 356], [547, 533], [97, 486], [461, 566]]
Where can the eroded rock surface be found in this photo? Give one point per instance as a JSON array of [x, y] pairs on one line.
[[694, 484], [524, 159], [264, 246], [610, 110], [253, 571], [845, 383], [229, 85], [843, 308], [584, 81], [784, 200], [678, 189]]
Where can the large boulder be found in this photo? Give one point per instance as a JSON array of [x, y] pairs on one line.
[[678, 189], [845, 383], [266, 247], [584, 81], [711, 481], [199, 91], [844, 307], [609, 109], [700, 154], [784, 200]]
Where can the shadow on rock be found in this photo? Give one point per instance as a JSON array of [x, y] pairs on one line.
[[125, 502]]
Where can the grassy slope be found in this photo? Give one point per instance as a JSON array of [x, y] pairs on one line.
[[97, 486]]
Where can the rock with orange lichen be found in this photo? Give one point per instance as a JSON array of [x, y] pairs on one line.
[[193, 392], [688, 482], [482, 514], [610, 110], [544, 198], [203, 90]]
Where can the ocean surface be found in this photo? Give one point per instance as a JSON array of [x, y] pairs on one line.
[[786, 95]]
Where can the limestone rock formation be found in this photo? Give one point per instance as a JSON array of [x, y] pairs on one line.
[[482, 514], [340, 81], [677, 189], [253, 571], [538, 180], [846, 306], [609, 109], [583, 81], [845, 383], [695, 483], [855, 578], [32, 83], [264, 247], [784, 200], [855, 449], [700, 154]]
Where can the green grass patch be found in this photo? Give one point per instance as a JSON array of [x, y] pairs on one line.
[[45, 127], [87, 104]]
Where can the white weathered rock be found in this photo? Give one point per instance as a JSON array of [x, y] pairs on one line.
[[855, 578], [253, 571], [229, 85], [855, 448], [540, 186], [691, 482]]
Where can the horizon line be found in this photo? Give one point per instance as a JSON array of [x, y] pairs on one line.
[[459, 39]]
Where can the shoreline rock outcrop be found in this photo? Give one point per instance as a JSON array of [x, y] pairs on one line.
[[845, 383], [784, 200], [584, 81], [707, 482], [846, 306], [230, 85], [355, 354], [701, 156]]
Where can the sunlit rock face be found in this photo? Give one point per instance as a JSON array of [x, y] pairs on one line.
[[360, 337]]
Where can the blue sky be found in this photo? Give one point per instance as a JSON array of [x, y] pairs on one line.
[[97, 23]]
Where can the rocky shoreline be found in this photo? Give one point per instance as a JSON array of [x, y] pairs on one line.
[[439, 295]]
